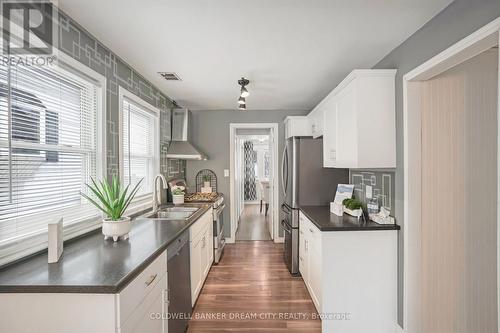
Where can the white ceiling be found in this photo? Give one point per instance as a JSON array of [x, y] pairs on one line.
[[293, 51]]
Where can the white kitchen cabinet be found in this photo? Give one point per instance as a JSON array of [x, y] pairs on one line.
[[310, 259], [297, 126], [317, 117], [196, 269], [139, 307], [359, 129], [338, 268], [201, 247]]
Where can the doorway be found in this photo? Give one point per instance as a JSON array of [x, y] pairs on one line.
[[255, 153], [451, 189], [254, 174]]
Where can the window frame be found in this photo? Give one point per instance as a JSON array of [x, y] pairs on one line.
[[36, 242], [143, 201]]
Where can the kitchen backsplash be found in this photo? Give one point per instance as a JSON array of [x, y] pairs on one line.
[[382, 183], [82, 46], [175, 169]]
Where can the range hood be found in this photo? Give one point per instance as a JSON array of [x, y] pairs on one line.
[[180, 147]]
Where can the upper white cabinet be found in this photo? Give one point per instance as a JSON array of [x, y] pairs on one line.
[[359, 128], [316, 120], [297, 126]]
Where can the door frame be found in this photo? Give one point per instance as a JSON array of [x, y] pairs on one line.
[[467, 48], [274, 135]]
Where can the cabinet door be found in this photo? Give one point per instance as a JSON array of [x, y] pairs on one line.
[[329, 134], [210, 235], [302, 254], [196, 262], [346, 127], [314, 271], [205, 265]]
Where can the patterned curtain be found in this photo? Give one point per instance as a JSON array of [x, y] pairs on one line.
[[250, 158]]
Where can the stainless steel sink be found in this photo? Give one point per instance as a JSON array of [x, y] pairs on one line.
[[173, 213]]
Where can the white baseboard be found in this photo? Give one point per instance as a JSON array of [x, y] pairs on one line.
[[279, 240], [398, 329], [229, 240]]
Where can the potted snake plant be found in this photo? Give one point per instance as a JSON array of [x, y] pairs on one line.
[[112, 199]]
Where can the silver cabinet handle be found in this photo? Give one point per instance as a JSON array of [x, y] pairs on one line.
[[166, 296], [311, 231], [283, 171], [306, 245], [151, 279]]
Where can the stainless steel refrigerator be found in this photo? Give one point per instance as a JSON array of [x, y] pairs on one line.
[[304, 182]]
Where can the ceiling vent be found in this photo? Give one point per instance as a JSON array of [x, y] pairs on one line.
[[170, 76]]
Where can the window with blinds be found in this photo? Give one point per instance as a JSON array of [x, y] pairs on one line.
[[48, 151], [139, 145]]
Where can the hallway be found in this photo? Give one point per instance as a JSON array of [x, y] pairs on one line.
[[249, 287], [253, 224]]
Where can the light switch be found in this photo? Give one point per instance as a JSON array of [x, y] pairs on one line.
[[226, 172], [368, 192]]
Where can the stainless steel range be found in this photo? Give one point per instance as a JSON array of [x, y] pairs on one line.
[[217, 200]]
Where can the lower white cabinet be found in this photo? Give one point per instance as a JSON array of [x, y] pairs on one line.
[[351, 277], [202, 252], [140, 307], [310, 259]]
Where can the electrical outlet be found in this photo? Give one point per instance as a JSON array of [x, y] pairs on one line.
[[226, 172]]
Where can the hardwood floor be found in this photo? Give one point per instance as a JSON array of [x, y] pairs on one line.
[[253, 224], [251, 290]]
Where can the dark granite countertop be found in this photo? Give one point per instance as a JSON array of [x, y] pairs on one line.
[[92, 265], [326, 221]]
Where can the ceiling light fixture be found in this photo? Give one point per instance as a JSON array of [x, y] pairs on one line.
[[243, 93]]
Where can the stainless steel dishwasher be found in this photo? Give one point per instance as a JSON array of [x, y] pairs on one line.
[[179, 284]]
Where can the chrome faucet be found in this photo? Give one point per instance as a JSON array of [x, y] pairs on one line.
[[164, 184]]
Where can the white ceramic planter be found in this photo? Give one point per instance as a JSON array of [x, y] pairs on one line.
[[356, 212], [206, 184], [116, 229], [178, 199]]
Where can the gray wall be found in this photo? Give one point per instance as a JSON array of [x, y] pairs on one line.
[[210, 133], [458, 20]]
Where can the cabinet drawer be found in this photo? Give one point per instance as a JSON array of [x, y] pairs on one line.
[[132, 295], [310, 230], [199, 226], [154, 304]]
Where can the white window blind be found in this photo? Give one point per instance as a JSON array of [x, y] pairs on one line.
[[48, 150], [139, 146]]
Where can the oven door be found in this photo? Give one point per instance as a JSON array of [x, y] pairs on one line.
[[219, 240]]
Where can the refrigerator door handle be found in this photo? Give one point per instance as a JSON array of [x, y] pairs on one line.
[[283, 170], [286, 228]]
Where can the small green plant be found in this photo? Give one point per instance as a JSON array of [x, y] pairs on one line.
[[352, 204], [178, 190], [112, 198], [207, 178]]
